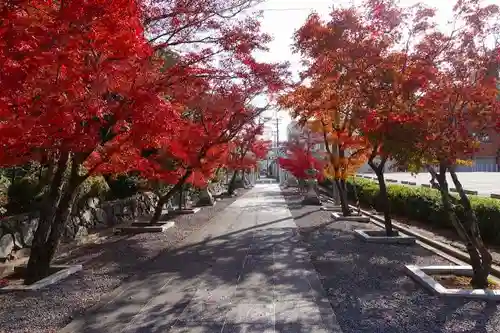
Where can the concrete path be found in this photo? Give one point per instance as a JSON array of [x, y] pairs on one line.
[[247, 271]]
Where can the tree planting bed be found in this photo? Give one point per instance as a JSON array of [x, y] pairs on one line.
[[105, 265], [368, 286]]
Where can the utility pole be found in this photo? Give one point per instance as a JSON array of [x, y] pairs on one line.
[[276, 124], [277, 147], [277, 131]]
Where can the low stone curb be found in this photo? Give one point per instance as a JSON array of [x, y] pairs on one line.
[[378, 236], [66, 270], [352, 218], [331, 208], [137, 228], [420, 274], [465, 191], [495, 270], [185, 211]]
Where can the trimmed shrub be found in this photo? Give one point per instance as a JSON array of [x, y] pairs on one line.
[[4, 191], [124, 186], [95, 187], [92, 187], [23, 195], [424, 205]]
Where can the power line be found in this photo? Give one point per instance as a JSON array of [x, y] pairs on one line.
[[286, 9]]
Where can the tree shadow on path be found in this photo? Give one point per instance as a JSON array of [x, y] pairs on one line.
[[369, 289], [254, 278]]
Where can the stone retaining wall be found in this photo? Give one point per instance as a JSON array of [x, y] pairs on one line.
[[16, 232], [217, 188]]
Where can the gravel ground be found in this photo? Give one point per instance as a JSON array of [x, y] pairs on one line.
[[368, 288], [447, 236], [106, 265]]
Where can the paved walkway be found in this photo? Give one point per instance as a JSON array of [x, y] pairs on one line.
[[246, 272]]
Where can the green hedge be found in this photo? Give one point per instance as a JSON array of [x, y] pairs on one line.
[[424, 205], [123, 186]]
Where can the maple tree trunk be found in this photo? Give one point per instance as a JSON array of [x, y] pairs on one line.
[[216, 174], [480, 257], [232, 182], [340, 184], [181, 198], [475, 246], [335, 194], [384, 200], [356, 198], [39, 264], [53, 216], [164, 199], [383, 195], [243, 177]]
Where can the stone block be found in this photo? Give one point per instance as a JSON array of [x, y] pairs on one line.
[[380, 237], [184, 211], [6, 245], [86, 217], [63, 272], [147, 228], [351, 218], [329, 208], [81, 232], [92, 202], [100, 216]]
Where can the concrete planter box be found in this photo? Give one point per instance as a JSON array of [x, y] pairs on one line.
[[465, 191], [141, 227], [351, 218], [185, 211], [63, 272], [379, 236], [331, 208], [420, 275]]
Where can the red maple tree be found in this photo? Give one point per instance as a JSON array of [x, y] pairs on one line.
[[398, 71], [300, 161], [460, 106], [246, 150], [72, 83], [210, 76]]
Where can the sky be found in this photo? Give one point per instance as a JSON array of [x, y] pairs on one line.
[[283, 17]]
